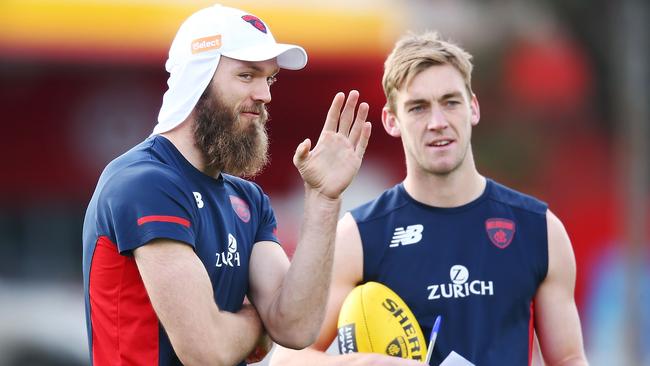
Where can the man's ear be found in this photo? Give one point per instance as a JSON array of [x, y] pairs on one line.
[[389, 121], [476, 110]]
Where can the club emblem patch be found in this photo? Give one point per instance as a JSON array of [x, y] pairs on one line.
[[241, 208], [500, 231], [255, 22]]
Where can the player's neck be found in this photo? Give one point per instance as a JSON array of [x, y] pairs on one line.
[[455, 189], [183, 139]]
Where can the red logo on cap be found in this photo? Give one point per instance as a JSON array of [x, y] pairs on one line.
[[255, 22]]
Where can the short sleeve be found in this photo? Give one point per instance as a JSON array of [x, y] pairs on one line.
[[147, 202], [268, 227]]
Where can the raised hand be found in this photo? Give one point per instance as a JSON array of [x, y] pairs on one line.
[[330, 167]]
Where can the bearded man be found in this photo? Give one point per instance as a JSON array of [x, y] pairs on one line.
[[175, 240]]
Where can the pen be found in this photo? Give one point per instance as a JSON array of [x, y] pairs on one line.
[[432, 338]]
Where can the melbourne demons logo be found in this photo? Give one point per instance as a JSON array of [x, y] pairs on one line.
[[255, 22], [500, 231], [241, 208]]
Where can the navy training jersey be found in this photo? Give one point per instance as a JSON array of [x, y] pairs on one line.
[[152, 192], [478, 266]]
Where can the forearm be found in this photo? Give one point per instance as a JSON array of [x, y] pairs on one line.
[[181, 294], [577, 360], [300, 303], [226, 339], [312, 357], [569, 353], [244, 331]]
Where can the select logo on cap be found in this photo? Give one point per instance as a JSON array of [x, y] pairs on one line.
[[206, 44]]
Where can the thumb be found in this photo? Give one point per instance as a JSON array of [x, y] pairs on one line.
[[302, 151]]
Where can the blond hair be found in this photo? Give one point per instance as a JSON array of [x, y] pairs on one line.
[[414, 53]]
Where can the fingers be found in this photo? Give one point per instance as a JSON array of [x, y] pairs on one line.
[[355, 127], [362, 114], [302, 151], [332, 119], [341, 121], [345, 121], [363, 140]]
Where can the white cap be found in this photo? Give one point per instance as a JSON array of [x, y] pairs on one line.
[[197, 47]]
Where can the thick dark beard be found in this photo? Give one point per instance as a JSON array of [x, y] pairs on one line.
[[224, 144]]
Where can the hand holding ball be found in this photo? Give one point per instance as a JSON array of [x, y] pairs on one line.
[[375, 319]]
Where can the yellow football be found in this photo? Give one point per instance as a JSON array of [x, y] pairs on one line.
[[375, 319]]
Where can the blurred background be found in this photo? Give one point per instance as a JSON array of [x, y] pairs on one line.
[[563, 89]]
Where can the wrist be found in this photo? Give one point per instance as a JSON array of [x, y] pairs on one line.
[[249, 312], [363, 359], [315, 194]]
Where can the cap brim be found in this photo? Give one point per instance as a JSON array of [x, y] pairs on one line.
[[289, 56]]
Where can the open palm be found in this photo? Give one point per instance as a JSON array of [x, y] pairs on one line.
[[330, 167]]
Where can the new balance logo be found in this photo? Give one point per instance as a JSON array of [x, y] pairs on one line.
[[411, 235]]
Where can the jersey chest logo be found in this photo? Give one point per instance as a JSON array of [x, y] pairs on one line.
[[460, 286], [229, 258], [241, 208], [411, 235], [500, 231]]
